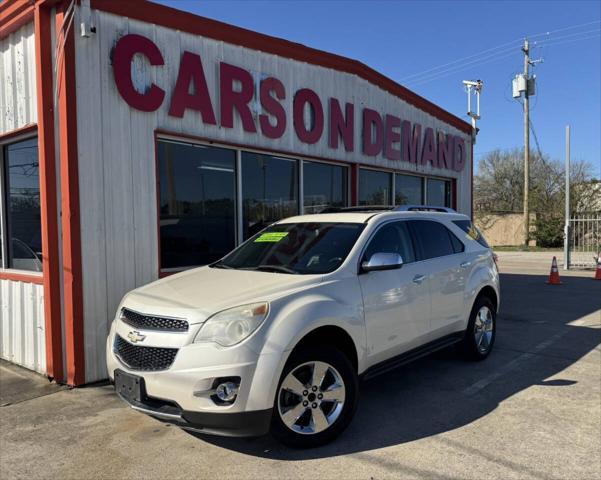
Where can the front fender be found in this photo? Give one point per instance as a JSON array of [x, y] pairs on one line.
[[336, 304]]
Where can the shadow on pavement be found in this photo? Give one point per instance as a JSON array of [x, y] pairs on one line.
[[536, 339]]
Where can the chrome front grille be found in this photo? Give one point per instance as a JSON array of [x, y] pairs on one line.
[[139, 357], [150, 322]]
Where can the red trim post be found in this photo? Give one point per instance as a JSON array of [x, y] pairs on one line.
[[48, 194], [72, 270], [157, 181], [354, 184], [472, 177], [454, 193]]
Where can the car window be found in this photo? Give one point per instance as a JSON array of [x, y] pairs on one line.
[[392, 238], [458, 245], [433, 238], [302, 248], [472, 231]]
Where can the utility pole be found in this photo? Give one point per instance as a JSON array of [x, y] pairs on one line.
[[522, 83], [566, 229], [526, 50]]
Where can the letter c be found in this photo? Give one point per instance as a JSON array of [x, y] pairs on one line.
[[123, 54]]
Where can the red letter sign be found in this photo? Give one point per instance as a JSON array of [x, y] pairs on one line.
[[273, 107], [190, 70], [372, 144], [303, 96], [124, 52], [429, 150], [391, 137], [445, 150], [411, 139], [343, 126], [459, 154], [231, 99]]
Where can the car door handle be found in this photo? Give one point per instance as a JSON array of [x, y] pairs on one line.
[[465, 264], [419, 279]]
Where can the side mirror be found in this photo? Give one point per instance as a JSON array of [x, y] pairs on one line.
[[382, 261]]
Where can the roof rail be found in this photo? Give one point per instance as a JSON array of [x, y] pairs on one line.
[[424, 208], [363, 208]]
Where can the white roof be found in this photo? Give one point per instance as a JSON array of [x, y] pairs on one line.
[[361, 217]]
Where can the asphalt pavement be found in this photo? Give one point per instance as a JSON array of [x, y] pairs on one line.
[[531, 410]]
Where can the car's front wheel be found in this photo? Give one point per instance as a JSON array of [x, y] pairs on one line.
[[316, 397]]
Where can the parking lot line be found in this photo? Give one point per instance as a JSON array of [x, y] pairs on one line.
[[508, 367]]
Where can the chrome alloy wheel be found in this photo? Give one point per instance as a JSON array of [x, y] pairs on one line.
[[311, 397], [483, 329]]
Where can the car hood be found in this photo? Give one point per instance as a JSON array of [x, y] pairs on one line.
[[199, 293]]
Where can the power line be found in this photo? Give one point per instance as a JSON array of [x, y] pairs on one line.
[[572, 40], [483, 61], [561, 37], [512, 43], [565, 28], [460, 68], [456, 65]]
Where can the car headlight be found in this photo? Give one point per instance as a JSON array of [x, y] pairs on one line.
[[231, 326]]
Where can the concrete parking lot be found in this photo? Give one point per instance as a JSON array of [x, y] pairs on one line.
[[532, 410]]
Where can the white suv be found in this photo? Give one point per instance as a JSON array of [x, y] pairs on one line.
[[276, 335]]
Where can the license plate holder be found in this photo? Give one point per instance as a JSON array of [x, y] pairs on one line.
[[130, 387]]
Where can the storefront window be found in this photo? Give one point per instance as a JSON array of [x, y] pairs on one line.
[[197, 203], [439, 192], [408, 190], [374, 187], [21, 206], [324, 186], [269, 191]]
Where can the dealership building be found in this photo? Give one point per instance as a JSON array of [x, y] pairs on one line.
[[137, 140]]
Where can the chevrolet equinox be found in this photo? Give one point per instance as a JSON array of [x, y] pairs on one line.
[[277, 334]]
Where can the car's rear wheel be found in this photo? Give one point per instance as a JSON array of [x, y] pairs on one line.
[[481, 330], [316, 397]]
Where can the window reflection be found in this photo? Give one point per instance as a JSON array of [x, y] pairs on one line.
[[197, 203], [408, 190], [324, 186], [439, 192], [374, 187], [23, 205], [269, 191]]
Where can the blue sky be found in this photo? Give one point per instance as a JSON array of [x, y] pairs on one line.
[[403, 38]]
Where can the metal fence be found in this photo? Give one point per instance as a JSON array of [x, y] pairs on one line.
[[584, 242]]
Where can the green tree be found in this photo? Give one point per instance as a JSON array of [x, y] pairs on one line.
[[499, 187]]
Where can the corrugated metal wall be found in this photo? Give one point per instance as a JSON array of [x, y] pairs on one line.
[[17, 71], [22, 336], [117, 158]]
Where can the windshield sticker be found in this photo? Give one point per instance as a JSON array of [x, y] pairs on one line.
[[271, 237]]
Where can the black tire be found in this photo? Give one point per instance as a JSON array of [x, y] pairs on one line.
[[340, 362], [469, 346]]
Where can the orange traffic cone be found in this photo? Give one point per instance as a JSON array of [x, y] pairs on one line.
[[554, 275], [598, 270]]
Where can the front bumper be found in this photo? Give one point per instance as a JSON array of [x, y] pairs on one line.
[[181, 395], [236, 424]]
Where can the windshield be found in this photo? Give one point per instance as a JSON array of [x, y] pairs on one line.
[[295, 248]]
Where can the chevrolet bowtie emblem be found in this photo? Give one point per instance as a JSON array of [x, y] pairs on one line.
[[135, 337]]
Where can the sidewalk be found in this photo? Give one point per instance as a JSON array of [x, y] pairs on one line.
[[19, 384]]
